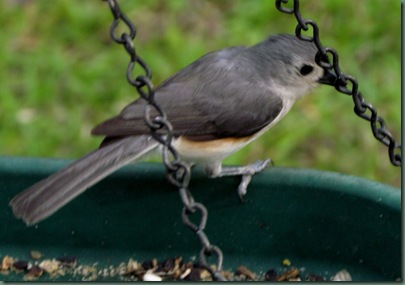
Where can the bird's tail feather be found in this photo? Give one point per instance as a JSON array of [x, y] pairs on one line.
[[49, 195]]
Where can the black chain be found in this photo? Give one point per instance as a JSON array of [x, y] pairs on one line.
[[345, 83], [178, 172]]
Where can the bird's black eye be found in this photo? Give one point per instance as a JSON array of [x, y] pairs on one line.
[[306, 69]]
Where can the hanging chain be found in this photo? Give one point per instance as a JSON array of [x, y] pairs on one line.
[[178, 172], [345, 83]]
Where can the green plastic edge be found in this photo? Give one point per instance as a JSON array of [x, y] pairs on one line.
[[342, 183]]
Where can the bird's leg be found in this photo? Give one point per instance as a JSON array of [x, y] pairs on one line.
[[247, 171]]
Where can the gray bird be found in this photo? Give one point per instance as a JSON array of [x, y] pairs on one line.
[[217, 105]]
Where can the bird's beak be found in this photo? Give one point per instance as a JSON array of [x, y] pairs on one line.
[[329, 77]]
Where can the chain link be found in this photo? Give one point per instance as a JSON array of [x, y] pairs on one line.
[[178, 172], [345, 83]]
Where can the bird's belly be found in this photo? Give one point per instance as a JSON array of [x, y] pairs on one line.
[[207, 151]]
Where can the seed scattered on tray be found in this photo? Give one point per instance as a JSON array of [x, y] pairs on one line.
[[171, 269], [35, 254], [314, 278], [243, 270], [270, 275], [50, 266], [7, 263], [194, 275], [286, 262], [293, 273], [342, 275], [149, 276], [33, 273], [20, 265]]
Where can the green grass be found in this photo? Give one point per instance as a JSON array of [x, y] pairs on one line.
[[61, 74]]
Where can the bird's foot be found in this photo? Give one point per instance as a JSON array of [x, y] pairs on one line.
[[246, 172]]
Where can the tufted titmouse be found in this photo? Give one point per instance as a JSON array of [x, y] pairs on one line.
[[217, 105]]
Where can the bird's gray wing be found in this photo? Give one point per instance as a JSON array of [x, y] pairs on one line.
[[220, 95]]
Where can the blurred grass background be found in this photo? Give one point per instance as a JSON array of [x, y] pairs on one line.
[[61, 74]]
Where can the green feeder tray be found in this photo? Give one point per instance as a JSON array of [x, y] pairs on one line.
[[322, 222]]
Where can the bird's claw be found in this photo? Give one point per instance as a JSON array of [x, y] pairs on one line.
[[251, 170]]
